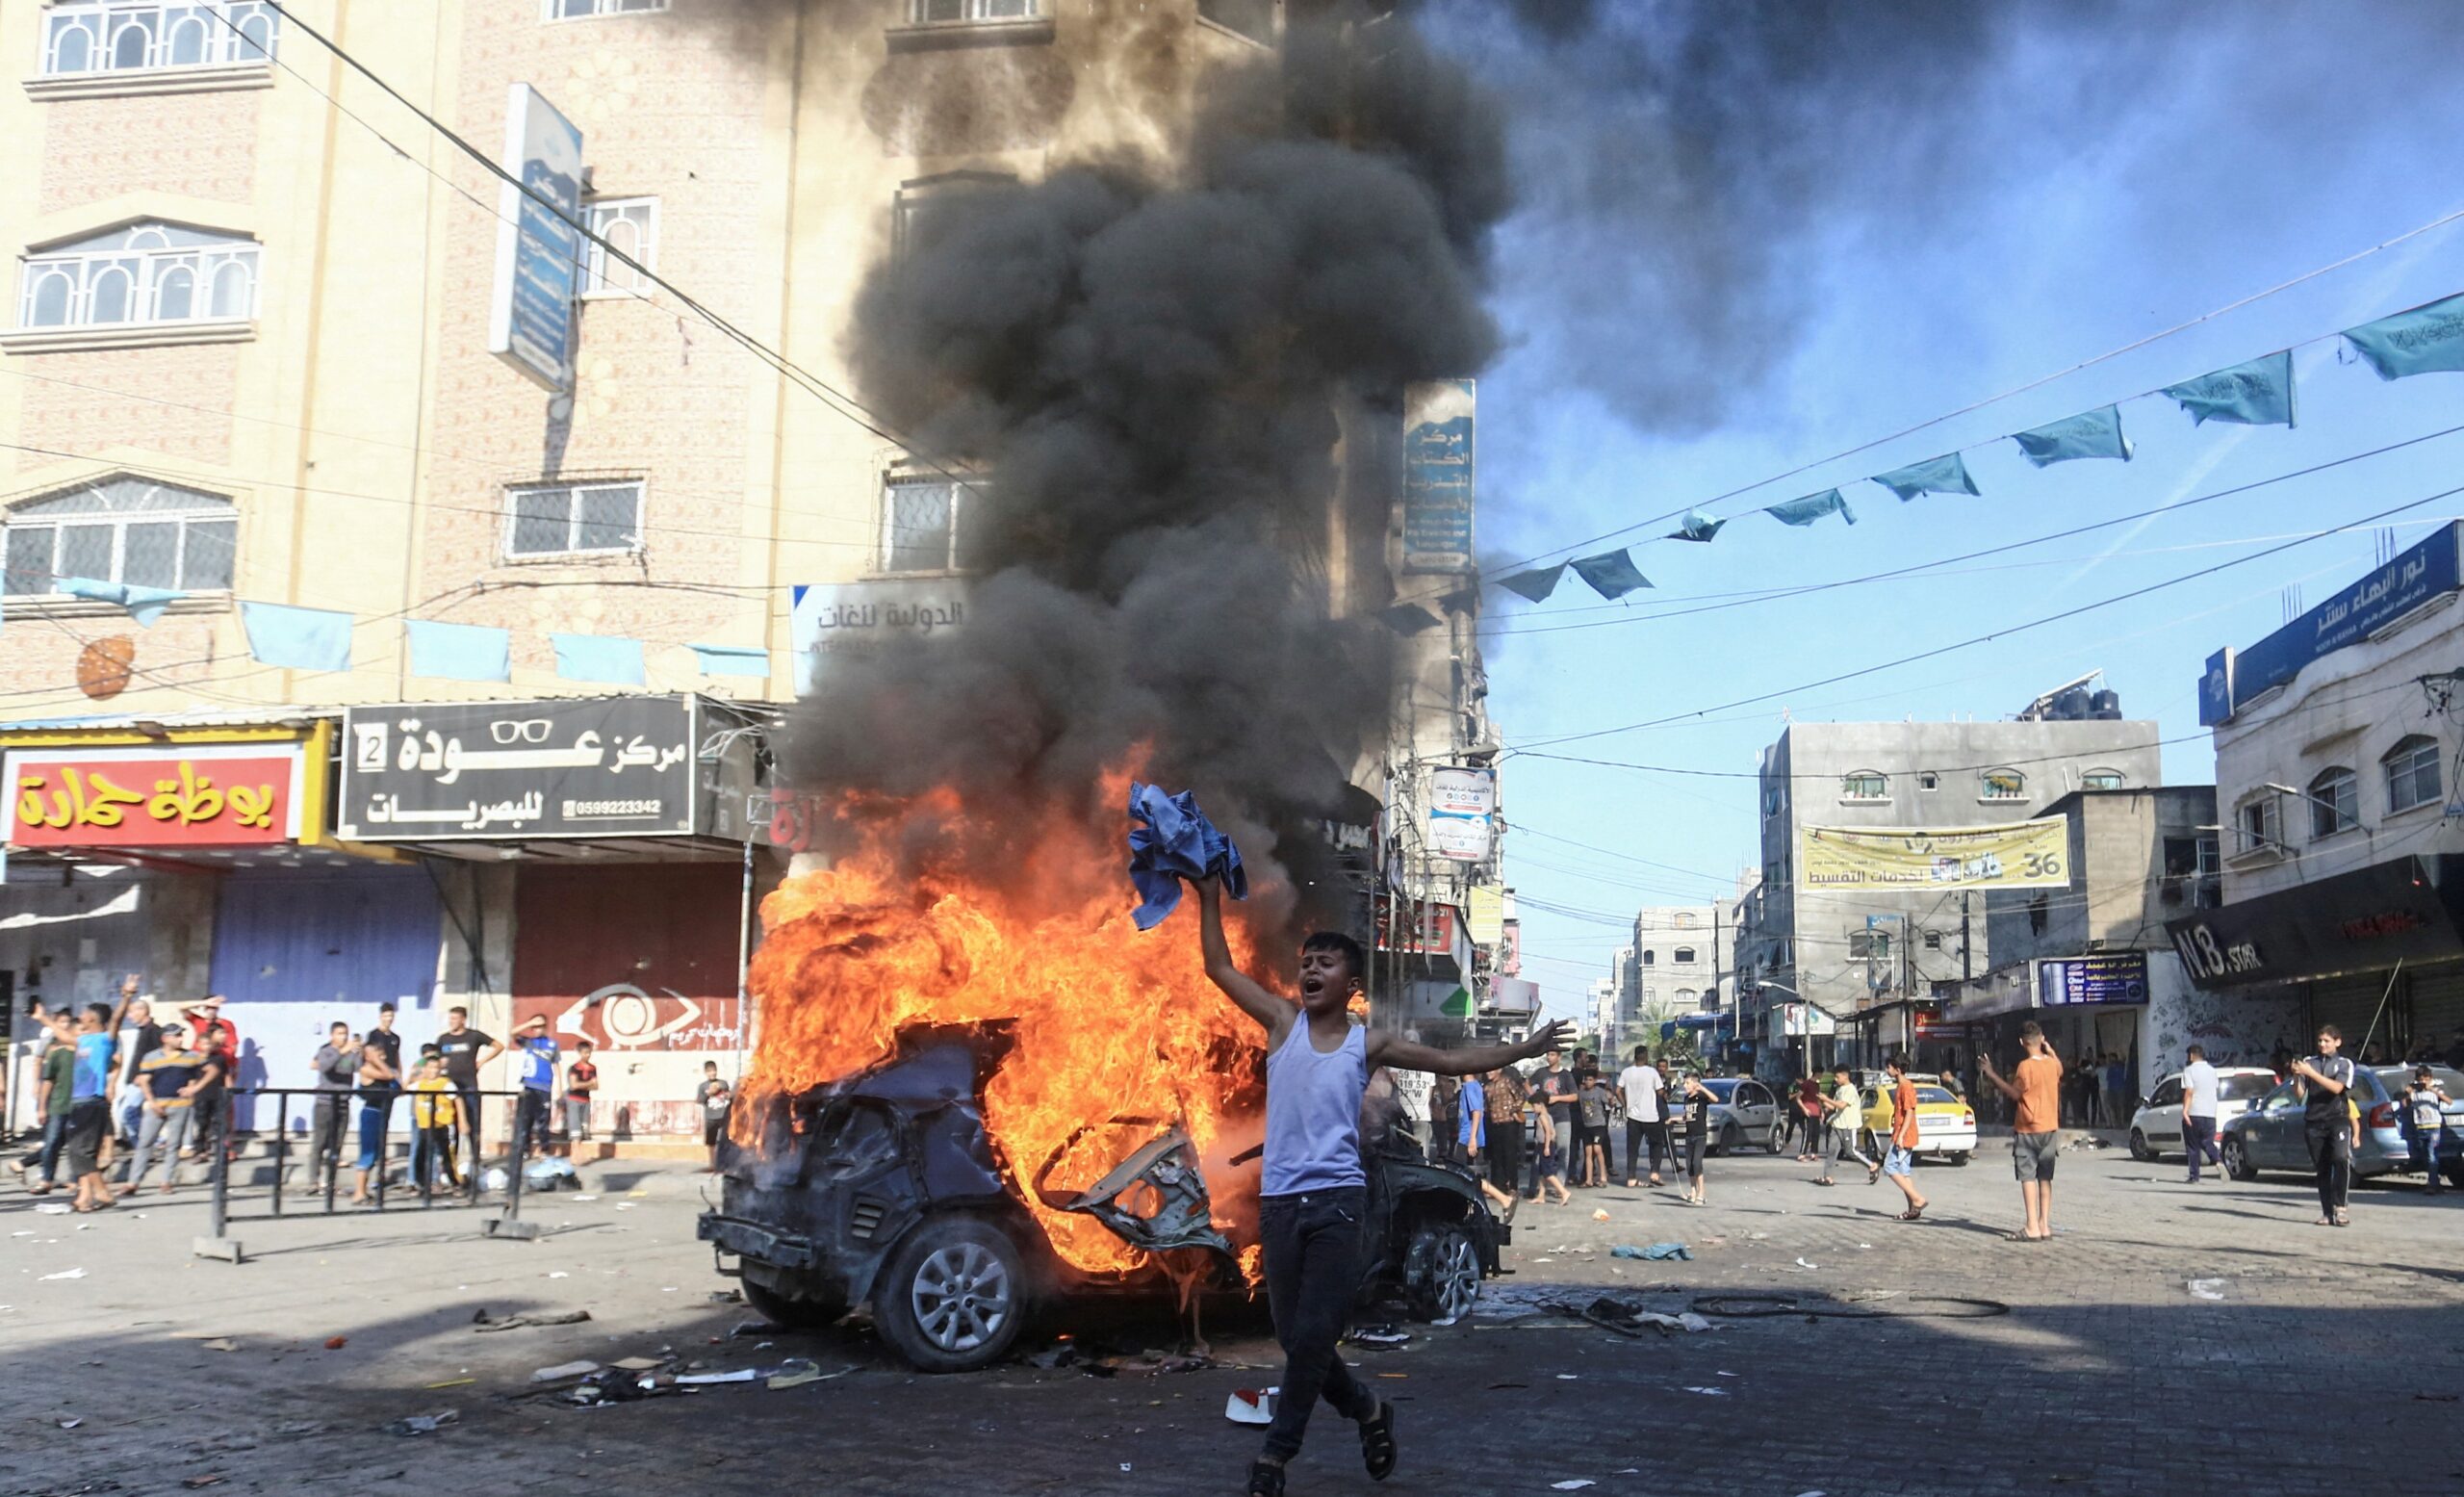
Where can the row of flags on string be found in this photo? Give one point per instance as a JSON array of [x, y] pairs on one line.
[[320, 639], [2426, 340]]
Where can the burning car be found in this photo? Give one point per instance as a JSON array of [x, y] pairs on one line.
[[884, 1188]]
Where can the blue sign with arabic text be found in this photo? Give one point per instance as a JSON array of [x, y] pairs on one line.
[[2431, 569]]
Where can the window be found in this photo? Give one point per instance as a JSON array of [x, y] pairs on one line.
[[2258, 825], [1682, 919], [929, 524], [1869, 945], [631, 225], [2100, 780], [575, 520], [1251, 18], [143, 273], [1684, 956], [926, 208], [1933, 940], [2002, 784], [152, 36], [2335, 802], [576, 10], [943, 13], [123, 530], [1650, 957], [1770, 801], [2412, 774], [1865, 785], [1686, 996], [1929, 781], [1651, 995], [2169, 1094]]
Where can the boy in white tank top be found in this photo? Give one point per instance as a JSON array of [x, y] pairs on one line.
[[1312, 1193]]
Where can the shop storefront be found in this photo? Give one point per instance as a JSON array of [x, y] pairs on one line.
[[597, 868], [2378, 952]]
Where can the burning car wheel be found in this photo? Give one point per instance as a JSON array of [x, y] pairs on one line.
[[953, 1298], [1441, 1272]]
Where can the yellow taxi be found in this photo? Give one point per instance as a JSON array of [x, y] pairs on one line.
[[1945, 1125]]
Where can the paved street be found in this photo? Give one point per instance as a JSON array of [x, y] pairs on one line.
[[2326, 1355]]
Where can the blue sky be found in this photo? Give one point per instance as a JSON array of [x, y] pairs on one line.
[[2014, 223]]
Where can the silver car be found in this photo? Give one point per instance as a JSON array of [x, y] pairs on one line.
[[2156, 1128], [2270, 1135], [1746, 1115]]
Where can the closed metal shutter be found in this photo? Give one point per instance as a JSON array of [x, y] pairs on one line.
[[2437, 1008], [2347, 1003]]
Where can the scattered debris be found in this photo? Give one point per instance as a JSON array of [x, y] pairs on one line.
[[704, 1380], [1380, 1335], [2434, 1398], [48, 1208], [482, 1321], [639, 1363], [424, 1424], [218, 1344], [2208, 1288], [70, 1423], [1626, 1317], [580, 1198], [65, 1273], [452, 1382], [1802, 1263], [1570, 1376], [336, 1343], [2088, 1141], [1658, 1251], [1600, 1214], [212, 1478], [1709, 1392], [717, 1296], [1251, 1405], [549, 1175], [559, 1274], [563, 1370], [1573, 1485], [755, 1327]]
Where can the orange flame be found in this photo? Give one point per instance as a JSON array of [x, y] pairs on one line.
[[1107, 1022]]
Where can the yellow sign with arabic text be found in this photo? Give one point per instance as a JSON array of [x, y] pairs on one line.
[[2013, 854]]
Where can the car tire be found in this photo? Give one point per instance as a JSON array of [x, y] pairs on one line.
[[1731, 1140], [1775, 1140], [2237, 1160], [1441, 1272], [1963, 1158], [793, 1310], [953, 1297]]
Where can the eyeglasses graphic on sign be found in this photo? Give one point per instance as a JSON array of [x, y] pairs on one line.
[[533, 729]]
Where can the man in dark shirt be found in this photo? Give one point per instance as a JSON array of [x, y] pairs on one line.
[[383, 1038], [129, 1101], [465, 1050], [167, 1077], [2324, 1081], [337, 1067], [1555, 1087]]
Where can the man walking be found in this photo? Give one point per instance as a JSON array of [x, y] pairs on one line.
[[1644, 1125], [2199, 1111], [2321, 1082], [1470, 1126], [2036, 1133], [1900, 1163], [1847, 1112], [55, 1093]]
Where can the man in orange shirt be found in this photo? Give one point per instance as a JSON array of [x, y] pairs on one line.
[[2035, 1138], [1900, 1164]]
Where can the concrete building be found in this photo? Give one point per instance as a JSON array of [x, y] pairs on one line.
[[1870, 959], [2092, 963], [2337, 739], [248, 350]]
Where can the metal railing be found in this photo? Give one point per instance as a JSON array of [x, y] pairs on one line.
[[335, 1128]]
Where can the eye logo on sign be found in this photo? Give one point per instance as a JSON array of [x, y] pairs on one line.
[[628, 1017]]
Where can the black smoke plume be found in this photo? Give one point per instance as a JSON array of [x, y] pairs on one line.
[[1141, 368]]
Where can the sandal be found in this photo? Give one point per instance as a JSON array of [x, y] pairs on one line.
[[1825, 1182], [1378, 1449], [1912, 1214], [1265, 1477]]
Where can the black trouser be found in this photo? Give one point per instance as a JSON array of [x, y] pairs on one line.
[[1505, 1154], [2331, 1152], [2198, 1138], [529, 1125], [332, 1116], [432, 1155], [1694, 1142], [1441, 1139], [466, 1114], [1641, 1134], [1313, 1271]]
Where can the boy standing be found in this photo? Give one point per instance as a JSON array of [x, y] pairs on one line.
[[2036, 1133], [582, 1078], [432, 1109], [2425, 1109], [1314, 1194], [1900, 1163], [535, 1059], [2321, 1082], [715, 1100]]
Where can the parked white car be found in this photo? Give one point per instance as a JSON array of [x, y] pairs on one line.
[[2156, 1128]]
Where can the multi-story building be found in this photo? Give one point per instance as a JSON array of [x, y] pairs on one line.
[[1813, 961], [295, 499], [2337, 747], [2090, 962]]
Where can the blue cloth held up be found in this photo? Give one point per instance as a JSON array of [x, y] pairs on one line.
[[1173, 841]]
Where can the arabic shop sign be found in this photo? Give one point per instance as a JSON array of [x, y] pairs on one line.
[[2431, 569], [203, 796], [440, 771], [842, 618], [2106, 977], [1438, 474]]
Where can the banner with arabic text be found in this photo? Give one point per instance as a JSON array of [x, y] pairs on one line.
[[2011, 854]]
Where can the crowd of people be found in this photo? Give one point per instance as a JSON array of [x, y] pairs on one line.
[[127, 1096]]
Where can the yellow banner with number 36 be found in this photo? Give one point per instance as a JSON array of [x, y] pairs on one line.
[[2013, 854]]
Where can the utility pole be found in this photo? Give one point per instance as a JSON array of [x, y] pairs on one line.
[[1967, 953]]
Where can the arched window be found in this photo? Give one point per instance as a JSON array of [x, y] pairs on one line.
[[1650, 956], [1865, 785], [2002, 784], [2335, 802], [2101, 779], [134, 35], [1685, 997], [2412, 773], [122, 530], [140, 273]]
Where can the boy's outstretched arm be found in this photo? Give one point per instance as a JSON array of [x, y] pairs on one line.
[[1387, 1049], [1244, 991]]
